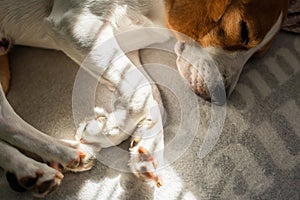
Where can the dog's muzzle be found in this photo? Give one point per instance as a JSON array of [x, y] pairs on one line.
[[202, 74]]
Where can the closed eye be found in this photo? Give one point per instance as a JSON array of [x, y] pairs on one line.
[[244, 33]]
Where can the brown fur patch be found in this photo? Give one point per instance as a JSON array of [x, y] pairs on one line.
[[218, 22]]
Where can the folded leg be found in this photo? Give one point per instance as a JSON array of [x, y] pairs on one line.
[[137, 113], [137, 99], [31, 158], [24, 173]]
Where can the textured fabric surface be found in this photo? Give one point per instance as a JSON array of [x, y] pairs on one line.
[[256, 157], [292, 22]]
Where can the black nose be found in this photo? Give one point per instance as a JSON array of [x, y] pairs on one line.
[[4, 43], [218, 95]]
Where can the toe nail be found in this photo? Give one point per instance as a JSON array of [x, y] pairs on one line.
[[134, 142], [59, 176], [74, 163], [154, 164], [82, 155], [158, 183]]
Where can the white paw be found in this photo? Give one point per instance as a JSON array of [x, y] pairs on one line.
[[146, 153], [143, 163], [105, 130], [83, 161]]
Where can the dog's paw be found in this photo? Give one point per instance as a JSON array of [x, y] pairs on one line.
[[142, 163], [82, 162], [104, 130], [35, 176], [5, 45], [146, 154]]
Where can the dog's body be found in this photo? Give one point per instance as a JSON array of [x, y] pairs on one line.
[[53, 24], [76, 27]]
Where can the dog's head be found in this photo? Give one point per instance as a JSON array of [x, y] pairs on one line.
[[227, 34]]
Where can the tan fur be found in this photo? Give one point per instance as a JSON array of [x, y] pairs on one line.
[[217, 22], [4, 73]]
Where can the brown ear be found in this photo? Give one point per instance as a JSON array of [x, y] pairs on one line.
[[214, 8], [194, 17]]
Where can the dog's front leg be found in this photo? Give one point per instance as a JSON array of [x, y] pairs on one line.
[[32, 159], [137, 111], [136, 96], [147, 142], [24, 173]]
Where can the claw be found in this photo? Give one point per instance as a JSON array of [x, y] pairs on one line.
[[101, 118], [82, 155], [74, 164], [154, 164], [150, 175], [158, 183], [146, 122], [135, 142]]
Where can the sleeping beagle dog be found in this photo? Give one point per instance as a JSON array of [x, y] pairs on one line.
[[229, 31]]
